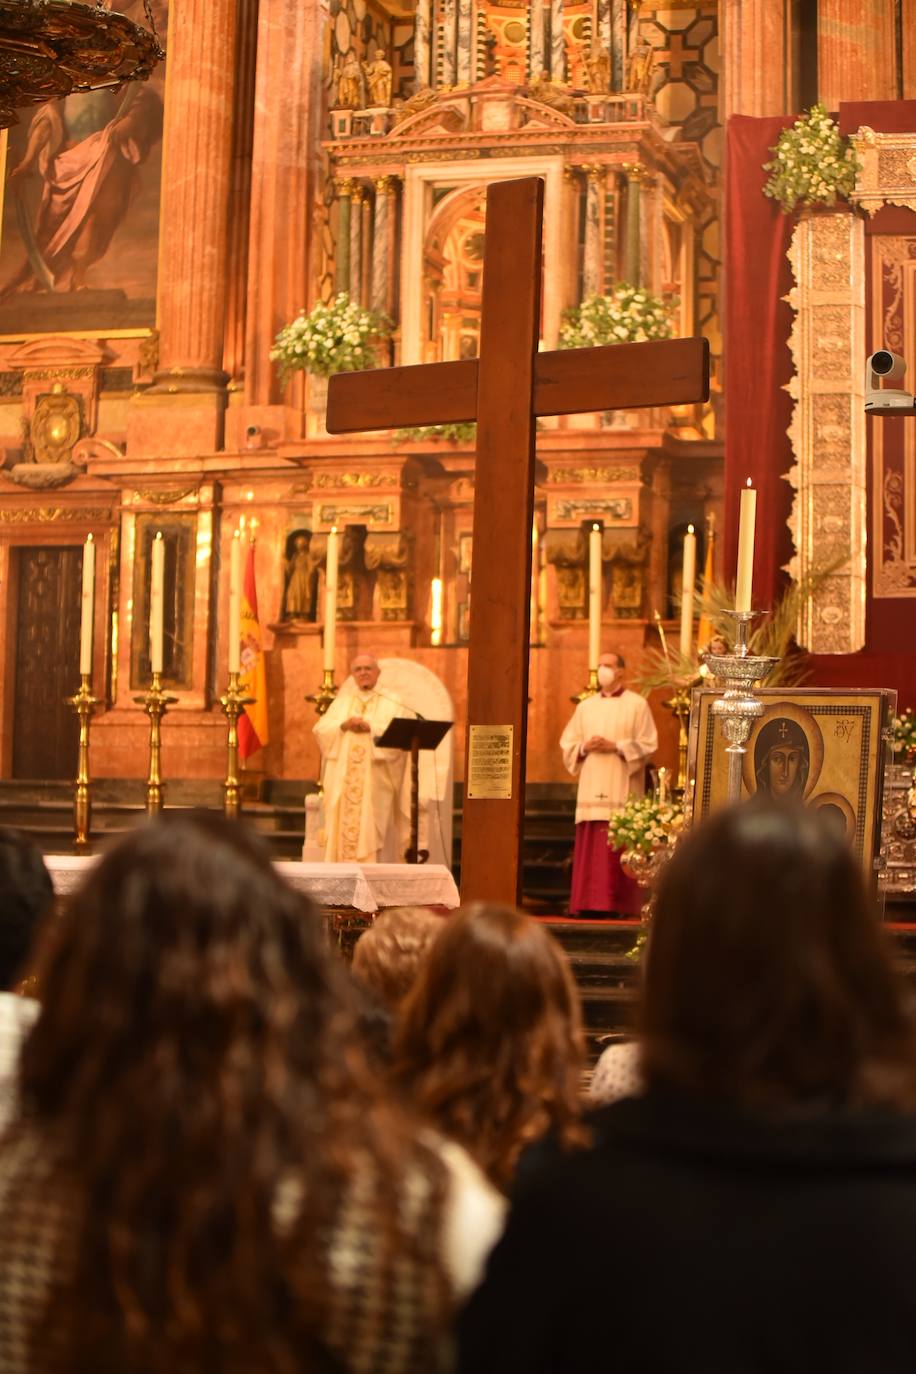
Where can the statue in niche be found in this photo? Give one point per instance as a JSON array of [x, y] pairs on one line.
[[639, 70], [598, 66], [378, 79], [350, 84], [300, 590]]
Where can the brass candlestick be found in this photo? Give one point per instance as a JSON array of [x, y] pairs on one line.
[[83, 704], [591, 690], [233, 704], [155, 703], [325, 695], [679, 706]]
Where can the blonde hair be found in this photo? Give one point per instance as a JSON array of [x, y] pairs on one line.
[[388, 956]]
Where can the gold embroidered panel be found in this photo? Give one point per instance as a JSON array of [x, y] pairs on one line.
[[828, 518], [892, 324]]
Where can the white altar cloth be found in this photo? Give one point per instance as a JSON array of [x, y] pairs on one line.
[[363, 887]]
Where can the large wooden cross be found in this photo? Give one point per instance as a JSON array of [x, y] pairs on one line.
[[504, 390]]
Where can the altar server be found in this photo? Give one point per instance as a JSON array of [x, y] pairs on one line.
[[605, 745]]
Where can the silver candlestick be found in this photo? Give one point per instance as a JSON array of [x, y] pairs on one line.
[[739, 706]]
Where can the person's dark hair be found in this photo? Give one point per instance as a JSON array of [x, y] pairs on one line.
[[195, 1074], [489, 1047], [26, 895], [767, 980]]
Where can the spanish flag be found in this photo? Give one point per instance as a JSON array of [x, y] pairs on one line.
[[253, 732]]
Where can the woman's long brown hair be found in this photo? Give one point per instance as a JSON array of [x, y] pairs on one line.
[[768, 981], [489, 1047], [194, 1064]]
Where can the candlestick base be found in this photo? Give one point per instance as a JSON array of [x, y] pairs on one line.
[[591, 690], [83, 704], [155, 702], [233, 704], [679, 706], [325, 695]]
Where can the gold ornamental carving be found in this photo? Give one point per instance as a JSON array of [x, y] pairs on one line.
[[600, 475], [887, 170], [55, 427], [158, 497], [828, 519], [324, 480], [49, 515]]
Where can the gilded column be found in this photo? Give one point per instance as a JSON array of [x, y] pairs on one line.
[[199, 116], [342, 259], [421, 44], [465, 42], [284, 183], [536, 62], [855, 51], [557, 43], [356, 242], [591, 269], [448, 31], [381, 243], [632, 263]]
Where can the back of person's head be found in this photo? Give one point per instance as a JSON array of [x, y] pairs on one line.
[[26, 895], [767, 980], [195, 1059], [489, 1045], [389, 954]]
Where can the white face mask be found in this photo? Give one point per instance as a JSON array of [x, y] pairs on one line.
[[606, 676]]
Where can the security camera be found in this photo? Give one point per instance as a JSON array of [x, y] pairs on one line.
[[885, 366], [253, 437]]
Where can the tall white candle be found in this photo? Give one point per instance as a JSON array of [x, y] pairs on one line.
[[87, 606], [235, 603], [330, 602], [157, 603], [746, 523], [688, 583], [594, 596]]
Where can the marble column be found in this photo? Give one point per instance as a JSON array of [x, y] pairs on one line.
[[240, 193], [449, 33], [356, 243], [753, 41], [591, 268], [285, 175], [557, 44], [465, 42], [536, 62], [618, 44], [855, 51], [603, 26], [633, 250], [194, 206], [342, 257], [381, 243], [421, 44]]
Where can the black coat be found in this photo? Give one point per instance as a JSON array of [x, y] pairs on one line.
[[693, 1238]]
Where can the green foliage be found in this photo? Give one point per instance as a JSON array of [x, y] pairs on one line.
[[459, 433], [645, 824], [338, 337], [813, 164], [628, 315]]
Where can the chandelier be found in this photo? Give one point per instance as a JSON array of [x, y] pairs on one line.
[[49, 48]]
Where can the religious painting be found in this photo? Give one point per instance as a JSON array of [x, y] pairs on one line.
[[179, 534], [79, 233], [823, 749]]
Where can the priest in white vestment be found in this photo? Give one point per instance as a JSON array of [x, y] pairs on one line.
[[605, 745], [363, 784]]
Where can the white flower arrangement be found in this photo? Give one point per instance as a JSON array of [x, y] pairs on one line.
[[813, 164], [645, 824], [630, 314], [904, 729], [337, 337]]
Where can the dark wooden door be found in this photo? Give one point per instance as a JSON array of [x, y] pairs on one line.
[[45, 731]]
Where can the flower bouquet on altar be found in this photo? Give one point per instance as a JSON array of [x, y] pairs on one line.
[[338, 337], [645, 830], [904, 728]]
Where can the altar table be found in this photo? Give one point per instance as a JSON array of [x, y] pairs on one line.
[[365, 888]]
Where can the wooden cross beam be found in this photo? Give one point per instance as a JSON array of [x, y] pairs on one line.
[[504, 390]]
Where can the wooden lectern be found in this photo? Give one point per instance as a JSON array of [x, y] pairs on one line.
[[412, 735]]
